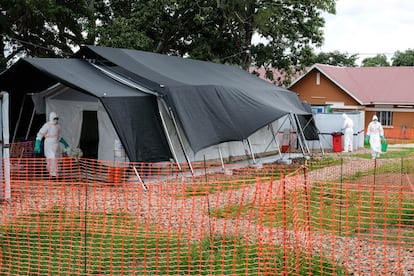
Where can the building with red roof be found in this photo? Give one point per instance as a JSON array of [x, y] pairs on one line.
[[384, 91]]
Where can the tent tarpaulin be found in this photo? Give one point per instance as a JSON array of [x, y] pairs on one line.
[[133, 113], [215, 103]]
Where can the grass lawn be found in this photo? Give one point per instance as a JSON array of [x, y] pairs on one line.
[[390, 154], [67, 243], [334, 210]]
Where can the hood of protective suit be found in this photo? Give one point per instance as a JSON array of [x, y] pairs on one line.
[[52, 116], [344, 116], [375, 118]]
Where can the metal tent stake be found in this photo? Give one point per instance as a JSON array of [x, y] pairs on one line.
[[140, 179]]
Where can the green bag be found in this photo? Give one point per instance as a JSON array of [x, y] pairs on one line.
[[384, 147]]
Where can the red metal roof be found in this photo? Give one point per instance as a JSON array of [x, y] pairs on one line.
[[373, 85], [278, 76], [262, 73]]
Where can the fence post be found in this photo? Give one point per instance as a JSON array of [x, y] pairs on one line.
[[284, 224]]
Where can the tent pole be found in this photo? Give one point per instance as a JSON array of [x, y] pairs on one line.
[[251, 150], [302, 134], [320, 144], [181, 141], [293, 123], [270, 127], [281, 125], [168, 135], [30, 123], [221, 156], [18, 120], [274, 139]]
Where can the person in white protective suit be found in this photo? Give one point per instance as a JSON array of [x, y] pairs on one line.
[[375, 134], [348, 132], [50, 131]]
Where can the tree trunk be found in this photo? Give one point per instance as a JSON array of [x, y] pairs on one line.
[[248, 30]]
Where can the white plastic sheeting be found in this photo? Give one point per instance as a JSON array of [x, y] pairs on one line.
[[5, 191], [332, 122], [70, 105]]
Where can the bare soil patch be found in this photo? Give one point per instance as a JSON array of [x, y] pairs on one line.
[[386, 182]]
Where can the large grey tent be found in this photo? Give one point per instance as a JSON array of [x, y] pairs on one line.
[[126, 106], [212, 103]]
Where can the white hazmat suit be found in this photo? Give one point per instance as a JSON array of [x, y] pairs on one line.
[[375, 133], [348, 132], [50, 131]]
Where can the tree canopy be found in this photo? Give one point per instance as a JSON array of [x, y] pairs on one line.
[[335, 58], [269, 33], [405, 58], [378, 60], [400, 58], [41, 27], [214, 30]]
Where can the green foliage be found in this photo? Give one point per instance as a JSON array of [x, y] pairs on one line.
[[405, 58], [219, 31], [121, 33], [380, 60], [335, 58], [42, 28]]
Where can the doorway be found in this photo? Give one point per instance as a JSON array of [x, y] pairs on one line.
[[89, 138]]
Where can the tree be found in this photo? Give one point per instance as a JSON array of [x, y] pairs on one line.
[[335, 58], [405, 58], [216, 30], [380, 60], [41, 28]]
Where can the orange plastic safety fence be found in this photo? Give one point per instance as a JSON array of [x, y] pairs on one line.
[[111, 218]]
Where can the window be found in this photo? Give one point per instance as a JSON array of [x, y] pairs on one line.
[[385, 117]]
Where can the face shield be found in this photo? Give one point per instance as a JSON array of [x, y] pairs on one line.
[[54, 117]]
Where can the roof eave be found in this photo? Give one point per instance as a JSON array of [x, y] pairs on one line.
[[338, 84], [388, 103]]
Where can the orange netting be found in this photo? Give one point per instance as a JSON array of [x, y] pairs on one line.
[[334, 216]]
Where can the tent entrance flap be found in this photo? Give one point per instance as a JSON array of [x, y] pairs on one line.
[[139, 127]]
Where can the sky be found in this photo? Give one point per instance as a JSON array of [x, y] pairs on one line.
[[370, 27]]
